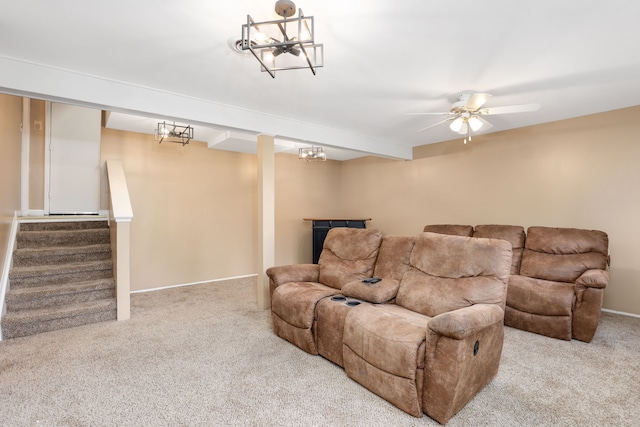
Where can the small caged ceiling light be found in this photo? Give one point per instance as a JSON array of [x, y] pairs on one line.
[[312, 154], [174, 133], [283, 44]]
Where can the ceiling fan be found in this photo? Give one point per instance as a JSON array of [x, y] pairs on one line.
[[466, 114]]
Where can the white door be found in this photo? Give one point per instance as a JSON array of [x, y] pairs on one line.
[[74, 170]]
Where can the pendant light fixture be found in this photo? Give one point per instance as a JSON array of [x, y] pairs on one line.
[[283, 44]]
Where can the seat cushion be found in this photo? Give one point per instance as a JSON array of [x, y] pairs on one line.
[[384, 350], [387, 336], [542, 297]]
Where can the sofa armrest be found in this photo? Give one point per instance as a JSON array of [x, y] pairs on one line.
[[293, 273], [593, 279], [462, 355], [459, 324]]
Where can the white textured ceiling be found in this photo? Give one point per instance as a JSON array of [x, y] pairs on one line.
[[382, 60]]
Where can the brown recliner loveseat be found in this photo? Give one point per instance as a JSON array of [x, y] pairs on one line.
[[558, 277], [427, 337]]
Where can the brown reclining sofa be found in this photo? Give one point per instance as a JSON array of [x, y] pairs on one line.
[[558, 276], [427, 337]]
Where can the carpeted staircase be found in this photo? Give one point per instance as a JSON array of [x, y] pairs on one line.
[[62, 276]]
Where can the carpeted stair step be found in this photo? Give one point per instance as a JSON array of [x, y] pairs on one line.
[[29, 322], [62, 225], [20, 277], [56, 255], [38, 297], [61, 277], [42, 238]]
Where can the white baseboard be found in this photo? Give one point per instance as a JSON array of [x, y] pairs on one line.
[[622, 313], [224, 279], [35, 212]]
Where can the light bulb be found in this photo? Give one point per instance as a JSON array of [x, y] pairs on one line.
[[267, 57], [259, 36], [305, 35], [475, 123], [456, 125]]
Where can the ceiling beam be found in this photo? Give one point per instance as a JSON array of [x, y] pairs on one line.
[[45, 82]]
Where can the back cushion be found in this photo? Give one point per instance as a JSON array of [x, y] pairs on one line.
[[563, 254], [450, 272], [452, 229], [514, 234], [393, 259], [348, 254]]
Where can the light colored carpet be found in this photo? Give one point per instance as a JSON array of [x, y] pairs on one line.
[[205, 356]]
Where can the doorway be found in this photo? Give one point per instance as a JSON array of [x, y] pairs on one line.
[[74, 160]]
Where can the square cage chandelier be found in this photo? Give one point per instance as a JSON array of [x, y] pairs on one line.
[[312, 154], [173, 133], [283, 44]]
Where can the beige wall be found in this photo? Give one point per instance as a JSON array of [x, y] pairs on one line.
[[303, 190], [579, 173], [194, 209], [10, 142]]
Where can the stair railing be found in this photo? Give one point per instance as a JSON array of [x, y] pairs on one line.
[[120, 216]]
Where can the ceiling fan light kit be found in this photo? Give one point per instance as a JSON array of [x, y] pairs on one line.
[[466, 114], [475, 123], [283, 44]]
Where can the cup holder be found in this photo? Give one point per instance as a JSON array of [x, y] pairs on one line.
[[349, 302]]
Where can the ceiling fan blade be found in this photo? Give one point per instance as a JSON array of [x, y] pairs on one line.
[[435, 124], [476, 101], [429, 114], [508, 109], [294, 51]]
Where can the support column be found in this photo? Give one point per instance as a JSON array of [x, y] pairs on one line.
[[266, 217], [24, 156]]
